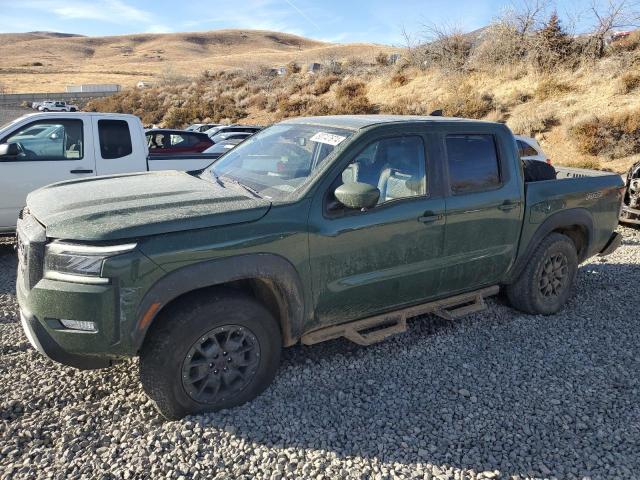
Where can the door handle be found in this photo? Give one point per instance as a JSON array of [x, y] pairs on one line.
[[430, 218], [508, 206], [80, 171]]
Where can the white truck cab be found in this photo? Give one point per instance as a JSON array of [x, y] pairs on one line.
[[43, 148]]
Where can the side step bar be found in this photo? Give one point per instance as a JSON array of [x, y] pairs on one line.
[[375, 329]]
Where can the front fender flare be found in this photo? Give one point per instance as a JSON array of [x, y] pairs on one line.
[[273, 268]]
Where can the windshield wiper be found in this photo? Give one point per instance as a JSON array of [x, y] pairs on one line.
[[217, 179], [246, 187]]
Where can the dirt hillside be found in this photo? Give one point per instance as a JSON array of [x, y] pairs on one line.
[[45, 61]]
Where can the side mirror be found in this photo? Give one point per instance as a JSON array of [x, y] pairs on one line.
[[357, 195], [8, 150]]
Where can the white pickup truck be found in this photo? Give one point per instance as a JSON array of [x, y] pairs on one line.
[[43, 148], [58, 106]]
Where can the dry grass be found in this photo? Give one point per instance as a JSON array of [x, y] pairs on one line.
[[532, 121], [615, 136], [629, 82], [324, 83], [549, 87], [351, 98], [469, 102], [399, 79]]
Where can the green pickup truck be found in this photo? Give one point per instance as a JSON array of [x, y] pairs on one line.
[[313, 229]]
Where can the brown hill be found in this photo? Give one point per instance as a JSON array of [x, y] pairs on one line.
[[46, 61]]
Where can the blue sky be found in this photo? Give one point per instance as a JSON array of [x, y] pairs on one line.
[[378, 21]]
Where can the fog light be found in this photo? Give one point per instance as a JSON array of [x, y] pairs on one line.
[[79, 325]]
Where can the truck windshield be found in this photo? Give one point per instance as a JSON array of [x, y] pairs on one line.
[[277, 160]]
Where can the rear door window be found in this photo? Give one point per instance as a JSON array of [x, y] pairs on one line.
[[115, 139], [184, 140], [473, 163]]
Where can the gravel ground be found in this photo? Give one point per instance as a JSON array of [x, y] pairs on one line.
[[496, 395]]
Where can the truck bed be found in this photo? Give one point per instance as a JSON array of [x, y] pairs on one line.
[[598, 194]]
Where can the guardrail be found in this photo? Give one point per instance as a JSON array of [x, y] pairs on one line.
[[17, 98]]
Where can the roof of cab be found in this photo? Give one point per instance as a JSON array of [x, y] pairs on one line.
[[356, 122]]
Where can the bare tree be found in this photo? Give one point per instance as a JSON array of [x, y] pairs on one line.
[[527, 16], [610, 16], [446, 46], [412, 45]]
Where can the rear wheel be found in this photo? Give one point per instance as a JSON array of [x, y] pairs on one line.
[[546, 283], [206, 354]]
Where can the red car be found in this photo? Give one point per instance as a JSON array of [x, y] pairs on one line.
[[162, 141]]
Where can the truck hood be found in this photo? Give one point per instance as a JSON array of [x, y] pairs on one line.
[[140, 204]]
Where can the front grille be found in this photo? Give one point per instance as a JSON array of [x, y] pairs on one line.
[[31, 239]]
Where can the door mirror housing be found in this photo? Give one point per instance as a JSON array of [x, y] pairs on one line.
[[8, 151], [357, 195]]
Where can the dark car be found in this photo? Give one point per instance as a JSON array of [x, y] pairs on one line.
[[224, 136], [233, 129], [161, 141]]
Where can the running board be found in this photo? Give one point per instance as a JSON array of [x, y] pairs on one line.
[[375, 329]]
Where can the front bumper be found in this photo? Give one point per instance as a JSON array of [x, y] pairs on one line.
[[629, 215], [47, 346]]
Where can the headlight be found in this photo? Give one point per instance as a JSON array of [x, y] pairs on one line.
[[79, 263]]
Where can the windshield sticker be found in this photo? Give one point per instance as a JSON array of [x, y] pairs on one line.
[[328, 138]]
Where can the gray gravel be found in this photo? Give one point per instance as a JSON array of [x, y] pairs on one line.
[[496, 395]]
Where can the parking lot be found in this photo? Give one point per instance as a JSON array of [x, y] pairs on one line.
[[496, 395]]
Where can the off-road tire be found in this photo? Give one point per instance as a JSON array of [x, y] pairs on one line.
[[526, 293], [174, 334]]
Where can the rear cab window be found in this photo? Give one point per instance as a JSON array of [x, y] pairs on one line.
[[526, 150], [115, 139], [473, 163]]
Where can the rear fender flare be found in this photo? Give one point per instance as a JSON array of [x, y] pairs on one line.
[[566, 218], [274, 269]]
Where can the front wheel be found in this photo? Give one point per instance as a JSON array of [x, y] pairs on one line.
[[206, 354], [546, 283], [45, 109]]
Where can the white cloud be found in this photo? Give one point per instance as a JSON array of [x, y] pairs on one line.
[[158, 28], [276, 15], [112, 11]]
